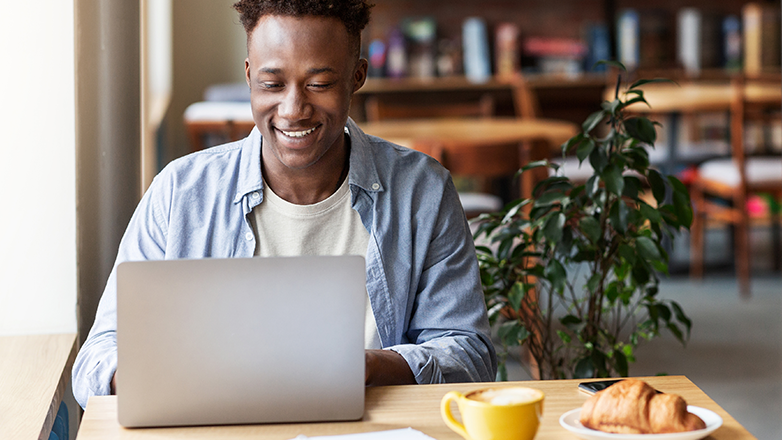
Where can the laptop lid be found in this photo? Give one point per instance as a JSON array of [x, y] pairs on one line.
[[240, 340]]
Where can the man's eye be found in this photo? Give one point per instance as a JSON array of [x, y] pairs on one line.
[[271, 85], [321, 86]]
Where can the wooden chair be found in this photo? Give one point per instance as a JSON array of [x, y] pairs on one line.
[[211, 123], [492, 162], [731, 180]]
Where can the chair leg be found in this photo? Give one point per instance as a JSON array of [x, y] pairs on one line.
[[775, 237], [696, 235], [742, 254]]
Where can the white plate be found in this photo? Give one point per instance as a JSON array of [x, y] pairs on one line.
[[570, 421]]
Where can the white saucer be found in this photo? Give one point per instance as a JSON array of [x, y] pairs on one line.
[[570, 421]]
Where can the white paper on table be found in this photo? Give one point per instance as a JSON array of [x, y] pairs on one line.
[[394, 434]]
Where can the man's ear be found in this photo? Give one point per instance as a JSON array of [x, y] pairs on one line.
[[247, 71], [360, 74]]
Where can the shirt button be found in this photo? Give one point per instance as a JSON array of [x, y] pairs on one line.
[[248, 236], [375, 186], [256, 196]]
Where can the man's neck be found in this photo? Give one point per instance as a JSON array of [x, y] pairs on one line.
[[313, 184]]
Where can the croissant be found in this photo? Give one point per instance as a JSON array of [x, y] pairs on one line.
[[633, 407]]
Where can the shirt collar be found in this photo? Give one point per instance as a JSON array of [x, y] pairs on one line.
[[250, 179], [363, 169]]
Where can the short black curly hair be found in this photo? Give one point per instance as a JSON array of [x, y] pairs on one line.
[[354, 14]]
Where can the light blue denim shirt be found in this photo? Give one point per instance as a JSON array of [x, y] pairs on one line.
[[422, 273]]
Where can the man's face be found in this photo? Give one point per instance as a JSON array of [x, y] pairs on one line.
[[302, 72]]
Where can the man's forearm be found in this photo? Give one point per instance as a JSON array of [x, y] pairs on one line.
[[386, 367]]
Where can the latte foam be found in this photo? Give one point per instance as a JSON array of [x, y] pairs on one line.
[[506, 396]]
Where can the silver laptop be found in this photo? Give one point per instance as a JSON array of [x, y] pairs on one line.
[[241, 340]]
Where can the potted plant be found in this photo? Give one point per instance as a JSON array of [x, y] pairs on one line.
[[572, 273]]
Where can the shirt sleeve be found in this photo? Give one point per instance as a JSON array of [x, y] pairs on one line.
[[96, 362], [448, 332]]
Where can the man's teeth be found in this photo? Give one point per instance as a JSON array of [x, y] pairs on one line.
[[298, 134]]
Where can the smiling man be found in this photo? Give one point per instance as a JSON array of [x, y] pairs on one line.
[[308, 181]]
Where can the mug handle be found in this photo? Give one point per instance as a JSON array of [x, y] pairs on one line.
[[445, 410]]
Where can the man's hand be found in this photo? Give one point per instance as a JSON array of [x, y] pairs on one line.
[[113, 387], [386, 367]]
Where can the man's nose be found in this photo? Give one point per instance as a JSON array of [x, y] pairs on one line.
[[294, 105]]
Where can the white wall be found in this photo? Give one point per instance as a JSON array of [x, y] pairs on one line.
[[37, 168]]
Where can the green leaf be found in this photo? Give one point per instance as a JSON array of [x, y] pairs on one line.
[[591, 228], [593, 120], [612, 177], [647, 248], [648, 212], [593, 185], [512, 210], [681, 202], [594, 282], [640, 274], [584, 150], [553, 229], [564, 337], [502, 372], [611, 63], [681, 317], [677, 185], [673, 328], [585, 369], [636, 100], [632, 187], [618, 215], [663, 312], [612, 291], [512, 333], [620, 363], [658, 186], [598, 159], [572, 322], [536, 164], [516, 295], [642, 129], [575, 140], [555, 274], [628, 350], [550, 198]]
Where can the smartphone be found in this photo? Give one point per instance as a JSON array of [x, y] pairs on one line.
[[593, 387], [599, 385]]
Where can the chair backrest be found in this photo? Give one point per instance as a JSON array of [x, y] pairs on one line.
[[525, 101], [753, 98], [381, 108]]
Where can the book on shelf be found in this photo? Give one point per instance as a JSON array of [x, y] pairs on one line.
[[731, 43], [558, 56], [656, 40], [477, 65], [699, 40], [628, 33], [761, 37], [598, 46], [506, 49], [420, 33]]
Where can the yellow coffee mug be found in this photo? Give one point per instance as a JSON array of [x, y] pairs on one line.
[[511, 413]]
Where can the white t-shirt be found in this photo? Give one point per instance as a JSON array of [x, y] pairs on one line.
[[329, 227]]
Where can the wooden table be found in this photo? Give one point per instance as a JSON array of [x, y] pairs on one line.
[[482, 147], [475, 133], [701, 96], [34, 373], [416, 406], [693, 98]]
